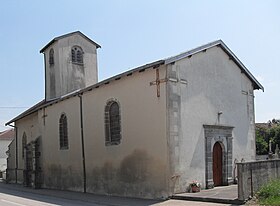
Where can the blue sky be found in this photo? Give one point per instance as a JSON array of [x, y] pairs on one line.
[[133, 33]]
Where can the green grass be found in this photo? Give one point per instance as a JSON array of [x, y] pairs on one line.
[[269, 194]]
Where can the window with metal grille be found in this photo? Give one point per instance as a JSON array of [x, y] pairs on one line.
[[24, 142], [77, 55], [63, 132], [112, 123], [51, 58]]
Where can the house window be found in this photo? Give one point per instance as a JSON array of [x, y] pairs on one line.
[[63, 132], [24, 141], [112, 123], [77, 55], [51, 58]]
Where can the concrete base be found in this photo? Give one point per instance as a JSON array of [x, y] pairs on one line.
[[225, 194]]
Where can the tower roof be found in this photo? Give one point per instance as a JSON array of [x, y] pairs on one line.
[[66, 35]]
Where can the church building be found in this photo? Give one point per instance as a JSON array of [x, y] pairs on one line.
[[148, 132]]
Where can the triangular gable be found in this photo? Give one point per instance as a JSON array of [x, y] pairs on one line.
[[223, 46]]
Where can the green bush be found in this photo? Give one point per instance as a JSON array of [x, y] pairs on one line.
[[269, 194]]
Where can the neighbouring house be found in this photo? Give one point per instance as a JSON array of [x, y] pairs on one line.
[[148, 132], [6, 137]]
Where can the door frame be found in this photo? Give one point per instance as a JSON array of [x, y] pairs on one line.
[[223, 135], [32, 164]]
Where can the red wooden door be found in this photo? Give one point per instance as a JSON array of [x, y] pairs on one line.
[[217, 164]]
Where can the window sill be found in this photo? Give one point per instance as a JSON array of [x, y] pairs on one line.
[[112, 143], [77, 63]]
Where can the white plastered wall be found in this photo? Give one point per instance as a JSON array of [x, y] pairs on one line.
[[214, 83]]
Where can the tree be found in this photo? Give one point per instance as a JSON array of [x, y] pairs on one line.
[[264, 133], [261, 144]]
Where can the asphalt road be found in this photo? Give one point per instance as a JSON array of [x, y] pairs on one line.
[[15, 195], [19, 198]]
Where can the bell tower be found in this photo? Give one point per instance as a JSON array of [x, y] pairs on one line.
[[70, 64]]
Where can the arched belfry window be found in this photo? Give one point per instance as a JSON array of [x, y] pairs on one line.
[[77, 55], [51, 58], [112, 123], [63, 132], [24, 142]]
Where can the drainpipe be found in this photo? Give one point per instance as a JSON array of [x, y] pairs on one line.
[[16, 169], [83, 145]]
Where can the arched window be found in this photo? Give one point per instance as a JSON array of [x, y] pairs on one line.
[[77, 55], [51, 58], [112, 123], [63, 132], [24, 142]]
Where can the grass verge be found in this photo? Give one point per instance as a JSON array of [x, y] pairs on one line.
[[269, 194]]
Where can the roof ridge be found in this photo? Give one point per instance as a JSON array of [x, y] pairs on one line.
[[193, 50]]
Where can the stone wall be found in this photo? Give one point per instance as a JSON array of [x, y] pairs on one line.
[[252, 175]]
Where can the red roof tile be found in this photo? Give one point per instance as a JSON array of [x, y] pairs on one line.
[[7, 135]]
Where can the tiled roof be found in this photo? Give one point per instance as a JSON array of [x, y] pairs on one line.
[[7, 135], [265, 125]]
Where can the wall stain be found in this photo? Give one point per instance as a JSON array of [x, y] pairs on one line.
[[134, 168], [62, 178], [137, 175]]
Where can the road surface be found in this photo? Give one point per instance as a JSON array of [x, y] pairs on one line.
[[19, 198], [15, 195]]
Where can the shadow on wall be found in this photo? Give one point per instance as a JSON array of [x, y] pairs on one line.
[[197, 154], [138, 174]]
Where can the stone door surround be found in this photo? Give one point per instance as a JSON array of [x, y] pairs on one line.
[[223, 135]]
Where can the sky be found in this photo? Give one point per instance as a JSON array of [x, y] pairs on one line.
[[132, 33]]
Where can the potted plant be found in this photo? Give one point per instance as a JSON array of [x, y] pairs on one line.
[[195, 186]]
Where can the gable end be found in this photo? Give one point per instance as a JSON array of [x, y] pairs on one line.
[[231, 55]]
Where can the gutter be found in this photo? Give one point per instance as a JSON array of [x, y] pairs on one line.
[[83, 145]]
